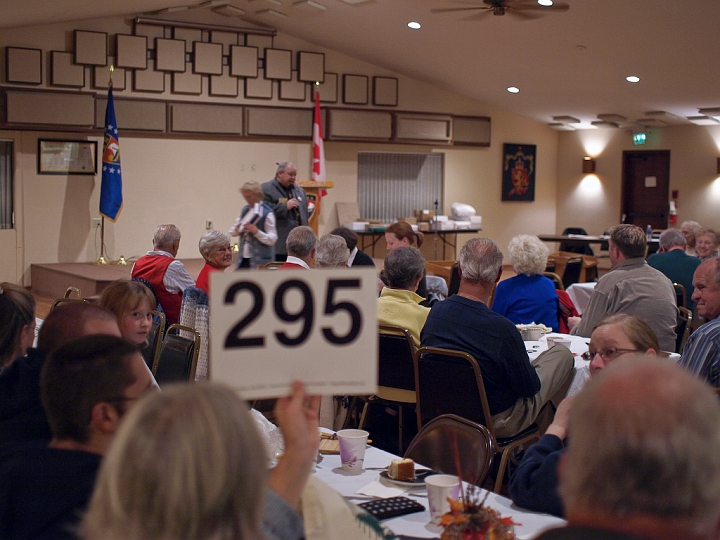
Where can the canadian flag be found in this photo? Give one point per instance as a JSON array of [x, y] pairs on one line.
[[318, 167]]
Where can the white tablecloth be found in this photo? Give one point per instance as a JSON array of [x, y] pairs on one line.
[[578, 345], [580, 294], [418, 525]]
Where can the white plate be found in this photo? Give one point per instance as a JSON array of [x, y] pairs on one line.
[[420, 475]]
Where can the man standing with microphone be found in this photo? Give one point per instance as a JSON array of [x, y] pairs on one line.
[[289, 203]]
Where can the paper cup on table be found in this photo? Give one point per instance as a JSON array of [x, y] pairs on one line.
[[440, 488], [563, 342], [352, 449], [532, 334]]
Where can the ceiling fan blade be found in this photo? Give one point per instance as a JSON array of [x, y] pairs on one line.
[[449, 10], [477, 16], [520, 14], [536, 7]]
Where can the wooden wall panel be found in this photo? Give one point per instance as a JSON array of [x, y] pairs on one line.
[[192, 118]]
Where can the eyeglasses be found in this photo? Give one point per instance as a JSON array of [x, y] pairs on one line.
[[606, 354], [223, 249]]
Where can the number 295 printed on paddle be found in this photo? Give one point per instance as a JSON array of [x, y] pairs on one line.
[[268, 328]]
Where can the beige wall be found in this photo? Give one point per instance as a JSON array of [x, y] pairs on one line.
[[593, 202], [189, 181]]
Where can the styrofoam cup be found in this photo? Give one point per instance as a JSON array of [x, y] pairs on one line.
[[352, 449]]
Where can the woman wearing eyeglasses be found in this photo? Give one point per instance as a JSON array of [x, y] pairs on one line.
[[215, 248], [534, 483]]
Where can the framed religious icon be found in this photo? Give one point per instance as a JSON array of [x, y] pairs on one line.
[[518, 181]]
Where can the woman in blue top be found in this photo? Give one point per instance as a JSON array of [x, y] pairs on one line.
[[528, 297]]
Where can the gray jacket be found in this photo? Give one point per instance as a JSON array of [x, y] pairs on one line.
[[286, 221]]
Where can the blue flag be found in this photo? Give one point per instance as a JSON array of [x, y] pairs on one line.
[[111, 188]]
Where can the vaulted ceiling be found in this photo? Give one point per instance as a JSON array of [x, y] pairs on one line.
[[571, 63]]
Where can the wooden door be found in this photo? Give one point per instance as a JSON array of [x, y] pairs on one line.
[[646, 188]]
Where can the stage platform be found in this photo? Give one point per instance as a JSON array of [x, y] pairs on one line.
[[53, 279]]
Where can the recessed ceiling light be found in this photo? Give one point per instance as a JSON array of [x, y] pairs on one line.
[[414, 25], [561, 127], [545, 2], [703, 120], [632, 78], [513, 89], [604, 124], [566, 119]]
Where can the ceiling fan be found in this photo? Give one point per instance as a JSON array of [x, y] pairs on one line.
[[523, 9]]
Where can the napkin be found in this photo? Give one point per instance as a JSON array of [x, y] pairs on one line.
[[383, 489]]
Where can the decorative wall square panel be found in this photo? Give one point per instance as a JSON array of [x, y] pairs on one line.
[[243, 61], [293, 90], [224, 85], [328, 89], [23, 65], [259, 87], [207, 58], [91, 48], [101, 76], [63, 72], [278, 64], [169, 55], [148, 80], [131, 51], [385, 91], [355, 89], [187, 83], [311, 66]]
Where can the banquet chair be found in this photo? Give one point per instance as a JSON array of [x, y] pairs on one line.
[[449, 440], [178, 357], [59, 301], [680, 295], [576, 247], [194, 312], [71, 290], [555, 279], [450, 382], [154, 339], [683, 328], [454, 285], [396, 374]]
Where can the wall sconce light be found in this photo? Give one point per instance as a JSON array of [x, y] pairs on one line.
[[588, 166]]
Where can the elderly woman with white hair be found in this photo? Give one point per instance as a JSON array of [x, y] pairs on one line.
[[215, 248], [331, 252], [528, 297]]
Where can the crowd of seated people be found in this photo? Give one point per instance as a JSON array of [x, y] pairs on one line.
[[75, 406]]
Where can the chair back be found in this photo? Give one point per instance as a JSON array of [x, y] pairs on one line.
[[683, 328], [194, 313], [450, 382], [178, 357], [396, 358], [59, 301], [454, 285], [576, 247], [573, 268], [449, 439], [555, 279], [154, 339], [680, 295], [71, 290]]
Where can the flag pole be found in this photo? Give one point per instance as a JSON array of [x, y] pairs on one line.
[[103, 259]]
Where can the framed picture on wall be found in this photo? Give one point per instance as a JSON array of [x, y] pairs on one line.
[[67, 157], [518, 181]]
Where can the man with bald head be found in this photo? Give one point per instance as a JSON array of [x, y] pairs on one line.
[[644, 462], [288, 202], [701, 354]]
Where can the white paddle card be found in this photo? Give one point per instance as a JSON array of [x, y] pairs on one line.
[[268, 328]]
